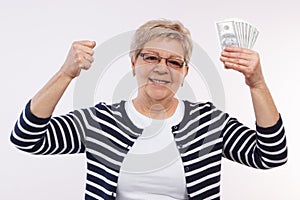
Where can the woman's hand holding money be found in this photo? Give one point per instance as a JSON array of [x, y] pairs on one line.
[[245, 61]]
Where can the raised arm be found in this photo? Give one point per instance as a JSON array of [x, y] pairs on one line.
[[247, 62], [79, 57], [265, 147], [36, 131]]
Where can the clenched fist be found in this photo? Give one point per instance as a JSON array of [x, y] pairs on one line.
[[80, 57]]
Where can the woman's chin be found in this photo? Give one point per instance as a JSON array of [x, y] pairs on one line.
[[159, 95]]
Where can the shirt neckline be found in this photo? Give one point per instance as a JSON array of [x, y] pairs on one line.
[[141, 120]]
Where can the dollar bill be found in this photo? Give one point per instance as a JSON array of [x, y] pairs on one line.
[[227, 34], [235, 32]]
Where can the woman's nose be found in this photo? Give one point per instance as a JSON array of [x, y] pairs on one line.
[[161, 68], [164, 62]]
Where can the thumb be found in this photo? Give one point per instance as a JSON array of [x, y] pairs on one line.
[[93, 44]]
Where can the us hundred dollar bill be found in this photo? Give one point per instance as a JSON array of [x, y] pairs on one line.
[[227, 34]]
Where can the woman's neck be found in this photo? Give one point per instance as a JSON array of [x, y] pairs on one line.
[[155, 109]]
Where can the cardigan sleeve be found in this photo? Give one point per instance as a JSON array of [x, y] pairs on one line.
[[262, 148], [53, 135]]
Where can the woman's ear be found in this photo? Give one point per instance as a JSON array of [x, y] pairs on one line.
[[133, 67], [186, 71]]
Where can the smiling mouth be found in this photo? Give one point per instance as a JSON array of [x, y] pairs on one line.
[[157, 81]]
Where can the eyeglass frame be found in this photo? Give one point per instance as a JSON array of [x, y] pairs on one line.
[[160, 58]]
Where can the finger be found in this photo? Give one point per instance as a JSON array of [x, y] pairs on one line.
[[85, 65], [238, 49], [236, 55], [89, 58], [235, 66], [87, 43], [86, 50], [238, 61], [83, 59]]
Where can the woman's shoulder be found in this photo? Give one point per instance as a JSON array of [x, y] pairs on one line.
[[201, 107], [197, 104], [117, 108], [108, 105]]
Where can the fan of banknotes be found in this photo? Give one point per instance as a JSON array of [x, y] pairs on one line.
[[235, 32]]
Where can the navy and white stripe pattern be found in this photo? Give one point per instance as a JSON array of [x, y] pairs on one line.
[[106, 134]]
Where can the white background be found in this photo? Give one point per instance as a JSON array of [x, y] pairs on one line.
[[35, 37]]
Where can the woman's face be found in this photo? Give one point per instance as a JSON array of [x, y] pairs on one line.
[[157, 80]]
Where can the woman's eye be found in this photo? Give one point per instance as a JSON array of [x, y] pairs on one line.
[[151, 58], [175, 63]]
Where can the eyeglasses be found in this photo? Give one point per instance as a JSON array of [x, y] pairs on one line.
[[154, 58]]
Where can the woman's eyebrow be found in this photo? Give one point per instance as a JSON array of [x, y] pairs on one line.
[[172, 56]]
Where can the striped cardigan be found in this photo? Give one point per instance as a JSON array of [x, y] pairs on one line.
[[105, 134]]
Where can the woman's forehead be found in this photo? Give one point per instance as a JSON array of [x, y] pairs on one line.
[[170, 47]]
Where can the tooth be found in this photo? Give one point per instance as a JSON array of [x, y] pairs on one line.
[[159, 81]]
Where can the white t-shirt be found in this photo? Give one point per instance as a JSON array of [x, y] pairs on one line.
[[152, 169]]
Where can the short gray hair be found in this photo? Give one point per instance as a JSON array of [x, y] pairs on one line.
[[161, 28]]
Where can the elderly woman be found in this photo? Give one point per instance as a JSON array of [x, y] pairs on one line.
[[154, 146]]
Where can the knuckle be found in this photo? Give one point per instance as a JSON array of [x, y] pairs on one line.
[[92, 59], [75, 43], [78, 59], [77, 53], [74, 49]]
